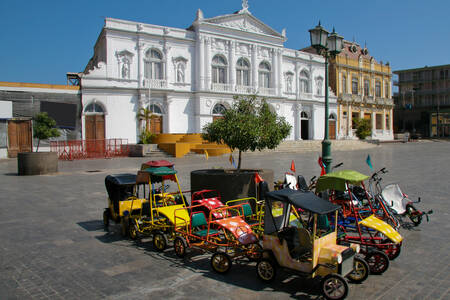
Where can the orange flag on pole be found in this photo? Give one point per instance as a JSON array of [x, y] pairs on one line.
[[292, 166], [258, 178]]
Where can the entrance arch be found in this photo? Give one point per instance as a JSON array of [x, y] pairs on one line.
[[156, 121], [94, 119], [304, 125]]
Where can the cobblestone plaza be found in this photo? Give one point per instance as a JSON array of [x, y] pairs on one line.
[[53, 245]]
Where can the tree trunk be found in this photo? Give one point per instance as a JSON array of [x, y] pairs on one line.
[[239, 162], [37, 148], [147, 125]]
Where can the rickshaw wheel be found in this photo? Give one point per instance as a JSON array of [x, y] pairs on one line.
[[159, 241], [254, 253], [124, 221], [378, 261], [133, 232], [393, 250], [180, 246], [220, 262], [266, 270], [360, 270], [413, 214], [334, 286], [106, 219]]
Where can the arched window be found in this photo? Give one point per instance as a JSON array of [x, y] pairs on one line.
[[219, 69], [264, 75], [378, 88], [304, 82], [332, 117], [219, 109], [153, 68], [243, 72], [94, 108], [355, 84], [386, 89], [155, 109], [304, 115]]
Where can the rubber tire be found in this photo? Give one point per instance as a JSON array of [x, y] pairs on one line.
[[417, 219], [225, 259], [327, 280], [159, 241], [359, 262], [180, 245], [106, 219], [133, 232], [374, 258], [256, 257], [393, 254], [125, 223], [267, 263]]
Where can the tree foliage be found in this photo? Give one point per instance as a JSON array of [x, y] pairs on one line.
[[248, 125], [145, 114], [44, 127], [363, 128]]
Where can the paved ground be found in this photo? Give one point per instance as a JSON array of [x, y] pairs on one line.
[[53, 246]]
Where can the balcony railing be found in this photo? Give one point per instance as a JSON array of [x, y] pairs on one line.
[[243, 89], [155, 83], [266, 91], [221, 87]]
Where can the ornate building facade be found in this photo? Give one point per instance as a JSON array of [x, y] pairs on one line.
[[187, 77], [363, 89]]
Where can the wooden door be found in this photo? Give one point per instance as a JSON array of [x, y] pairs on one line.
[[332, 129], [95, 135], [156, 124], [19, 137]]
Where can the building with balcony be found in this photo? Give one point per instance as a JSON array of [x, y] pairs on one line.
[[363, 89], [187, 77], [423, 98]]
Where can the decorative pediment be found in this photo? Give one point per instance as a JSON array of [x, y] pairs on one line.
[[243, 21]]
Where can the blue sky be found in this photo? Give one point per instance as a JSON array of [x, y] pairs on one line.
[[42, 40]]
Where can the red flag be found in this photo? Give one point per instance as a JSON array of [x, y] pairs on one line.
[[292, 166], [258, 178], [320, 162]]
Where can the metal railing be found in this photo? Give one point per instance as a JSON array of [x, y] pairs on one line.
[[244, 89], [155, 83], [221, 87], [85, 149]]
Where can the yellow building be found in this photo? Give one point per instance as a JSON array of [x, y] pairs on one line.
[[363, 90]]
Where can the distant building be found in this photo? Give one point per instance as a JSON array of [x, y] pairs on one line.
[[363, 89], [188, 77], [25, 100], [423, 98]]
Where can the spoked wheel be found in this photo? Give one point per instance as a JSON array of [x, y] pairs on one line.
[[361, 270], [106, 219], [266, 270], [125, 223], [414, 215], [159, 241], [392, 250], [334, 286], [254, 252], [180, 246], [378, 261], [133, 231], [220, 262]]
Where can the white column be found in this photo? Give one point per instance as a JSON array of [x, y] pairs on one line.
[[349, 121], [296, 81], [232, 64], [140, 76], [391, 122], [374, 123], [208, 63], [274, 70], [384, 121], [201, 67], [280, 71], [166, 64], [298, 121], [254, 68]]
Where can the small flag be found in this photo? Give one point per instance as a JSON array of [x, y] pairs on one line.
[[258, 178], [292, 166], [206, 154], [369, 162], [322, 166]]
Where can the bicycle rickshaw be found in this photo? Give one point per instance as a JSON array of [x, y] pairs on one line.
[[370, 232], [156, 217], [227, 235], [300, 246]]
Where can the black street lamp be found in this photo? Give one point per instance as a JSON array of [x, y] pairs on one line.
[[328, 45]]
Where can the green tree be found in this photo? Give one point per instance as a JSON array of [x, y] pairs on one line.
[[44, 127], [363, 128], [145, 114], [248, 125]]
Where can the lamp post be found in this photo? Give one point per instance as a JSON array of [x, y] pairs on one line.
[[328, 45]]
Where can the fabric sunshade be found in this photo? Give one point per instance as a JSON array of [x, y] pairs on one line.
[[337, 180], [161, 171]]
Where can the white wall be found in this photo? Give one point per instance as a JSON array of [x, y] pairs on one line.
[[5, 109]]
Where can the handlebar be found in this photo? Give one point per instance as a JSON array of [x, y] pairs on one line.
[[375, 175], [338, 165]]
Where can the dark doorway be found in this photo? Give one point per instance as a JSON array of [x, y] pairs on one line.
[[305, 129]]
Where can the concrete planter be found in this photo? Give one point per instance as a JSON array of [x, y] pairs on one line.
[[231, 184], [37, 163], [141, 150]]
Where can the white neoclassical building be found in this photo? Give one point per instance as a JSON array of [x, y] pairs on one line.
[[188, 76]]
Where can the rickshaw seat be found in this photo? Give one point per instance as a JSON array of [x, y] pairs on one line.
[[142, 177], [247, 210], [304, 242], [197, 220]]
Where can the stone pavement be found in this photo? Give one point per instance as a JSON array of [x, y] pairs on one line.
[[53, 245]]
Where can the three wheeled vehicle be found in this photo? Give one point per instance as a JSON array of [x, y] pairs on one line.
[[227, 236], [121, 189], [375, 236], [300, 246], [156, 217]]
